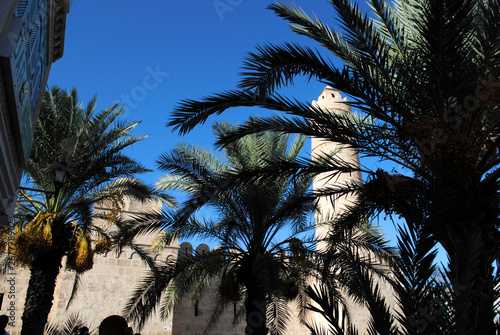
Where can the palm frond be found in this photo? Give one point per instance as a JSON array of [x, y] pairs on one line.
[[69, 327]]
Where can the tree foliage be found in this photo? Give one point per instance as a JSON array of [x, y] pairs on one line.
[[425, 77], [61, 220], [255, 264]]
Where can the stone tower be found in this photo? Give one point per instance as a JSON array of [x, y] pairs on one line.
[[331, 207]]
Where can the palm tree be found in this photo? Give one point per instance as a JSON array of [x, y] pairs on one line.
[[259, 262], [60, 222], [425, 76]]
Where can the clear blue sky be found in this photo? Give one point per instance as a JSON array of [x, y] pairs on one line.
[[150, 54], [194, 48]]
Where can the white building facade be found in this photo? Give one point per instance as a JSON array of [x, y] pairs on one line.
[[31, 39]]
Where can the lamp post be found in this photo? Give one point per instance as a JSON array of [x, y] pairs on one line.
[[60, 176]]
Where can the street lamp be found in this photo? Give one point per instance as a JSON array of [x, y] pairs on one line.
[[60, 176]]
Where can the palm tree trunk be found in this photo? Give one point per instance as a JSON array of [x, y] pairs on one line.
[[467, 229], [472, 280], [255, 309], [40, 293]]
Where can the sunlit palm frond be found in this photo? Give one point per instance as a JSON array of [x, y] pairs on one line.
[[69, 327], [278, 314]]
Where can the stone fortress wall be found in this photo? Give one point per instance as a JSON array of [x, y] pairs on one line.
[[104, 291], [188, 320]]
